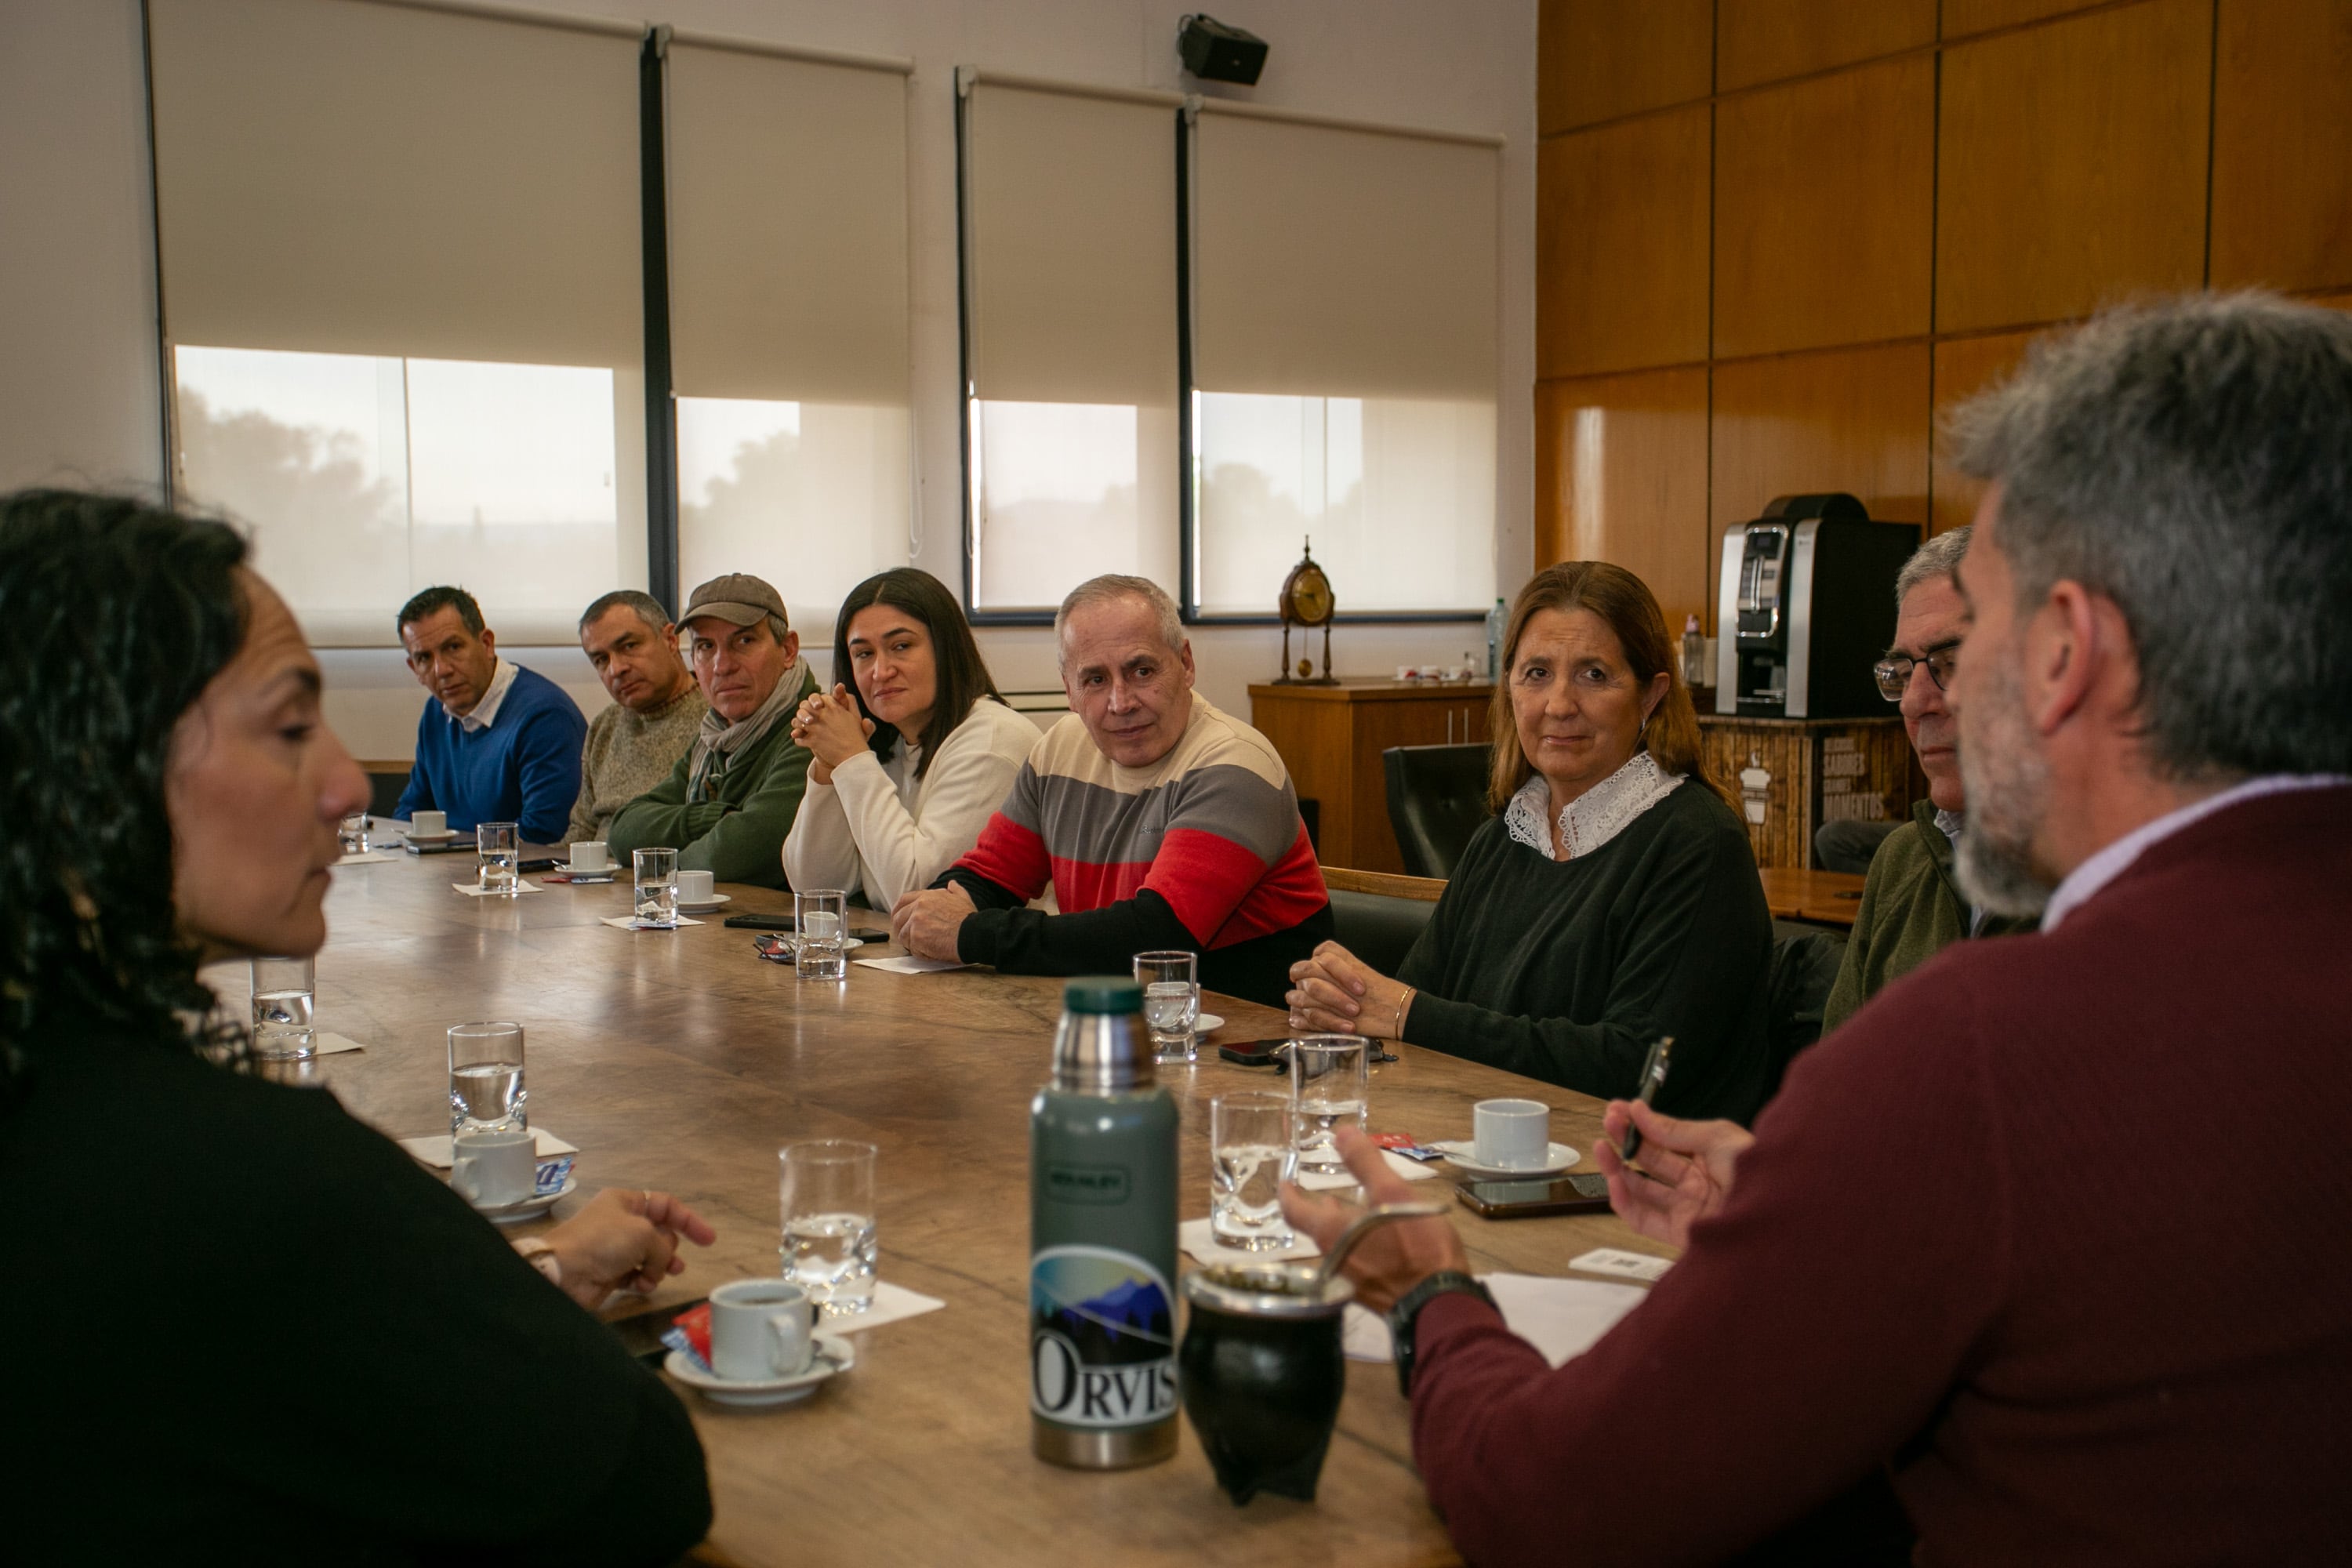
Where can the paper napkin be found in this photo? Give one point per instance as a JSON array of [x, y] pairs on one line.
[[629, 922], [476, 890], [1196, 1239], [1326, 1180], [1562, 1318], [434, 1148], [911, 964]]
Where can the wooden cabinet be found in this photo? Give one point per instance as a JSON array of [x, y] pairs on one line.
[[1793, 775], [1331, 738]]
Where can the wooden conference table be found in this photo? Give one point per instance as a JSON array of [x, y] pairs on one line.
[[681, 1060]]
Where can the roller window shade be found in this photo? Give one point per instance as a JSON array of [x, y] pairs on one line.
[[1340, 262], [787, 230], [339, 176], [1071, 248]]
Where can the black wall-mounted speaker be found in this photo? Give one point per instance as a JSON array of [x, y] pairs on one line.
[[1216, 52]]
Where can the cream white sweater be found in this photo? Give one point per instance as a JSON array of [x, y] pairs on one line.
[[878, 828]]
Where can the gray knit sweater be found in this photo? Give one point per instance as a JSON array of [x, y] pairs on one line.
[[627, 753]]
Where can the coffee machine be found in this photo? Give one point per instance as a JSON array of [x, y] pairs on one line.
[[1804, 606]]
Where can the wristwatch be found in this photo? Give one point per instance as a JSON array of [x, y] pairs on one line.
[[1402, 1316]]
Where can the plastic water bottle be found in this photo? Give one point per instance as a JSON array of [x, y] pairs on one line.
[[1102, 1240], [1498, 623], [1694, 671]]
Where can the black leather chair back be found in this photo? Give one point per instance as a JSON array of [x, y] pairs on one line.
[[1378, 928], [1438, 798], [1805, 961]]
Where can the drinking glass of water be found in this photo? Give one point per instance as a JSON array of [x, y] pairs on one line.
[[656, 888], [822, 918], [499, 845], [1329, 1074], [285, 996], [1250, 1156], [352, 833], [1172, 1001], [486, 1092], [828, 1247]]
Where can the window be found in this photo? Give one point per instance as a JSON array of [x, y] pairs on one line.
[[1344, 354], [1070, 341], [365, 478], [788, 282], [400, 265]]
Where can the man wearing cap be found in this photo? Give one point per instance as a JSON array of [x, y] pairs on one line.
[[731, 800]]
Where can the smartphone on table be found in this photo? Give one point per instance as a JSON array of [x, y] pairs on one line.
[[1258, 1053], [1654, 1073], [1585, 1193]]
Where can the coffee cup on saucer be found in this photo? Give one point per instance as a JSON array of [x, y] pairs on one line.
[[428, 824], [493, 1169], [697, 887], [591, 855], [761, 1329], [1511, 1134]]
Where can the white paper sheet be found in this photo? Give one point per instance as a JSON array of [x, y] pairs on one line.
[[367, 857], [629, 922], [1562, 1318], [1624, 1264], [330, 1043], [1328, 1181], [891, 1303], [476, 890], [434, 1148], [911, 964]]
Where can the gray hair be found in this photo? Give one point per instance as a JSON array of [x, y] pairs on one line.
[[647, 608], [1111, 586], [1937, 558], [2191, 459]]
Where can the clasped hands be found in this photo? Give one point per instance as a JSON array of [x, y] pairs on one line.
[[624, 1240], [927, 921], [829, 724], [1336, 993]]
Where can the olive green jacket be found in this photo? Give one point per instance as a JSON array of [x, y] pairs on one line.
[[738, 835], [1911, 911]]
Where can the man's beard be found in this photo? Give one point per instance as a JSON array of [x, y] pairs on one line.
[[2008, 784]]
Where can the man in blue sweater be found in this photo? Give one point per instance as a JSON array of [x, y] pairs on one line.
[[497, 742]]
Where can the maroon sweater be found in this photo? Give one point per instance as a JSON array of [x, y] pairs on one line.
[[2058, 1221]]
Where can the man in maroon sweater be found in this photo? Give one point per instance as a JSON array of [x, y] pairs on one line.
[[2056, 1221]]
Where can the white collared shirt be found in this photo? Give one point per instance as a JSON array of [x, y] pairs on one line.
[[1594, 818], [2084, 882], [486, 711]]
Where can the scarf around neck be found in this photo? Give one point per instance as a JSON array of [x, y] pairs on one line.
[[715, 740]]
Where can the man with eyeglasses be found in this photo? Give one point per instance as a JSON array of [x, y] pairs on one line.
[[1912, 908]]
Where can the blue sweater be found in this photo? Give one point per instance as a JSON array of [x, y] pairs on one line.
[[524, 768]]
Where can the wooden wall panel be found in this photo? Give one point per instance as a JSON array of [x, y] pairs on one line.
[[1599, 59], [2073, 165], [1825, 196], [1621, 245], [1965, 366], [1621, 476], [1767, 40], [2282, 144], [1849, 419], [1964, 17]]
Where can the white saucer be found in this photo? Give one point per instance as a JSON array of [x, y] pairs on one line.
[[1207, 1023], [1459, 1155], [716, 900], [530, 1209], [834, 1354]]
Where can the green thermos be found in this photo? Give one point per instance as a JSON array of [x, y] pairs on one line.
[[1102, 1240]]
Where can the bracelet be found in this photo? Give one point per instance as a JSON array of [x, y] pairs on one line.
[[1403, 1002]]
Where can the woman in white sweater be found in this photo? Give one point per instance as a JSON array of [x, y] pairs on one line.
[[912, 756]]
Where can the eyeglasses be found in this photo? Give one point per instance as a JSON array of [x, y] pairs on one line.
[[1893, 672]]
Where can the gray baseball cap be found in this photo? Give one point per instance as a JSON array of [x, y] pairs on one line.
[[737, 598]]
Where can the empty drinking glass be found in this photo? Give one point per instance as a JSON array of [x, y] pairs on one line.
[[656, 888], [822, 917], [284, 1001], [1327, 1078], [352, 833], [828, 1245], [1250, 1156], [499, 845], [486, 1092], [1172, 1001]]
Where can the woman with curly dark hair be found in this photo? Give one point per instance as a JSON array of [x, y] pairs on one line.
[[279, 1337]]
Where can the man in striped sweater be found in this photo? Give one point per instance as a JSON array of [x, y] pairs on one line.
[[1158, 821]]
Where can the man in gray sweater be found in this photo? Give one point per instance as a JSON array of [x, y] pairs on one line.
[[657, 707]]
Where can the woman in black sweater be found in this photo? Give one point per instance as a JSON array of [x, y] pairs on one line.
[[245, 1326], [1611, 899]]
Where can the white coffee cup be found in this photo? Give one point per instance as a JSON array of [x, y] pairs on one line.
[[591, 855], [429, 824], [697, 887], [761, 1329], [1511, 1134], [491, 1170]]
